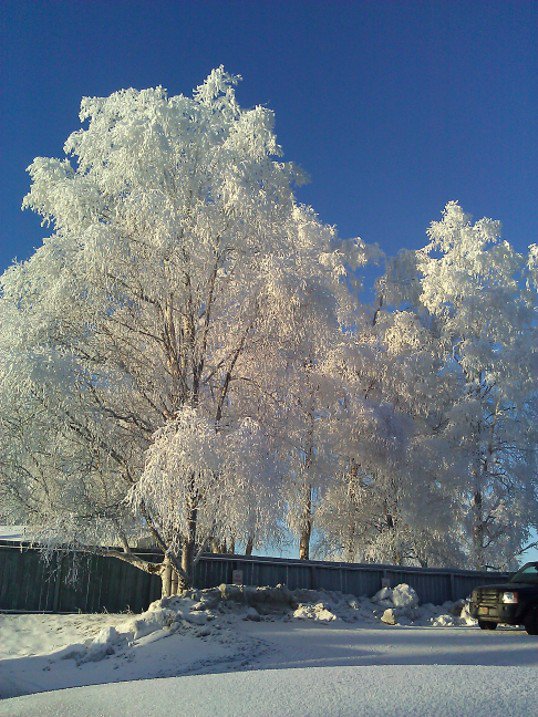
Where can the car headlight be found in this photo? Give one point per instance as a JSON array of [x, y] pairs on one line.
[[509, 598]]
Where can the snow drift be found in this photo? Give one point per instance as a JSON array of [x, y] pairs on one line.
[[203, 613]]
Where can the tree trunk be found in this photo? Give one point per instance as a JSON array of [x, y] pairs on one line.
[[171, 581], [306, 487], [397, 558], [350, 547], [250, 545], [188, 548], [231, 547], [306, 530], [175, 583], [304, 544], [187, 559], [166, 579], [478, 532]]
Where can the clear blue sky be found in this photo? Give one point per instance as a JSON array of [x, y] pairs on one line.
[[393, 108]]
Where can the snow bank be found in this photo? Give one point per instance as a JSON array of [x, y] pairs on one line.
[[203, 613], [318, 611], [162, 618], [404, 596], [393, 606], [401, 606]]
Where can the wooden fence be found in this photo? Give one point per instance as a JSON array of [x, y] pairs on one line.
[[27, 583]]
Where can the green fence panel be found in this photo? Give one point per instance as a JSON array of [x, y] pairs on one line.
[[81, 582]]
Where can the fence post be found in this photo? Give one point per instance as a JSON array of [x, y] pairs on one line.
[[452, 588]]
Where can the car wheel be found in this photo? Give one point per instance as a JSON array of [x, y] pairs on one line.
[[487, 625], [531, 621]]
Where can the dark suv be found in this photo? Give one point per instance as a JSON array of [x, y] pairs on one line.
[[512, 603]]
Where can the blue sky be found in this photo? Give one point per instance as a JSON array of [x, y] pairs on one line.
[[393, 108]]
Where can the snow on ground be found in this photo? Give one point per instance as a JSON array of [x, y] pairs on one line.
[[379, 691], [95, 649], [39, 634], [317, 646]]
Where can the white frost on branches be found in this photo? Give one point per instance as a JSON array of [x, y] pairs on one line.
[[186, 357]]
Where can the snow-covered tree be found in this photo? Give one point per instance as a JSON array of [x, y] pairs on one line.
[[310, 388], [143, 336], [438, 460], [475, 296], [475, 286], [387, 502], [186, 357], [307, 446]]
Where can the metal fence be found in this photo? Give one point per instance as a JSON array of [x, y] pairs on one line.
[[27, 583]]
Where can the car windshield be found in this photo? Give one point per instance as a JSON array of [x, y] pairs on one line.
[[527, 574]]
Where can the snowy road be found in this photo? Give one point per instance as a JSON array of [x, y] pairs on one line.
[[307, 645]]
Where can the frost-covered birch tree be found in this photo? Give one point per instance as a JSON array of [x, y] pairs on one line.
[[474, 296], [479, 291], [387, 503], [310, 385], [438, 446], [140, 341]]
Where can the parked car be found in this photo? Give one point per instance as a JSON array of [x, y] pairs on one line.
[[512, 603]]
